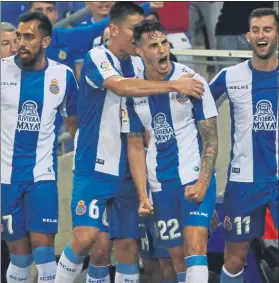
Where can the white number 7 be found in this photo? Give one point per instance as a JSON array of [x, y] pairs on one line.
[[9, 219]]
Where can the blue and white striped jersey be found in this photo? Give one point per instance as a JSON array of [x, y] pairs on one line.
[[99, 144], [29, 103], [253, 97], [174, 149]]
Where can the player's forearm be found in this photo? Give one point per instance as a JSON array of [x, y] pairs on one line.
[[136, 156], [137, 87], [208, 131]]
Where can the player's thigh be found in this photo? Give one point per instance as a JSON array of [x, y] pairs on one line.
[[244, 212], [273, 205], [123, 213], [167, 215], [89, 200], [12, 212], [41, 208], [199, 214]]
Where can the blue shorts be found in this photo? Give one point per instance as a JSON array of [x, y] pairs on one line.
[[149, 245], [109, 205], [173, 211], [31, 207], [244, 209]]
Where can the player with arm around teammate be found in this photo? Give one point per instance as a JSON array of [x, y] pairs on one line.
[[252, 89], [173, 169], [33, 89]]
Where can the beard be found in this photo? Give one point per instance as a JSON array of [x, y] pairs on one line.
[[268, 53], [32, 59]]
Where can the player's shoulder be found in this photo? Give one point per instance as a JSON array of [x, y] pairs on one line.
[[236, 70], [97, 52], [8, 62], [138, 66], [57, 67]]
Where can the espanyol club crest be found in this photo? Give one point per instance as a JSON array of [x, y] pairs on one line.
[[181, 98], [54, 88], [227, 224], [81, 208]]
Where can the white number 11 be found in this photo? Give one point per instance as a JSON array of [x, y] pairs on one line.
[[239, 221]]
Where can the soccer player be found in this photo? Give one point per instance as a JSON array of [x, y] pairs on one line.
[[100, 158], [33, 89], [9, 42], [179, 175], [252, 89]]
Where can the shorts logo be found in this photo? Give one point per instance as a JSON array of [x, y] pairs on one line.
[[105, 66], [2, 228], [162, 130], [81, 208], [235, 170], [28, 118], [54, 88], [227, 224], [264, 118], [181, 98], [197, 168], [157, 233]]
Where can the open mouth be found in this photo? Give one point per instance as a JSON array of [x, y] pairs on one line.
[[163, 60], [262, 44]]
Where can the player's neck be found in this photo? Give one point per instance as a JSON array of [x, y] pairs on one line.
[[267, 65], [115, 50], [39, 65], [154, 75]]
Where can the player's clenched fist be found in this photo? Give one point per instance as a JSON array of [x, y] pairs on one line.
[[145, 207], [156, 5]]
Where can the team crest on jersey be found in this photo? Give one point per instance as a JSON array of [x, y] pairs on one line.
[[163, 132], [227, 224], [105, 66], [181, 98], [54, 87], [81, 208], [264, 118], [62, 55], [28, 118]]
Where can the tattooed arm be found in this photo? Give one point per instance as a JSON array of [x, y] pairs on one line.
[[136, 156], [209, 135], [208, 132]]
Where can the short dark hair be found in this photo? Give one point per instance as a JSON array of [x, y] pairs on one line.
[[31, 3], [147, 26], [45, 25], [262, 12], [121, 10]]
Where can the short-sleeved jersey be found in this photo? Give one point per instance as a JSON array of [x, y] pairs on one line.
[[29, 103], [99, 144], [253, 97], [171, 118]]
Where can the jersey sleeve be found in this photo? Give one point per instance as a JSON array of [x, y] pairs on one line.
[[204, 108], [69, 105], [132, 122], [98, 68], [218, 87], [82, 36]]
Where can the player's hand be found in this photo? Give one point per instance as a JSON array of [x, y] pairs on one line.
[[145, 207], [196, 192], [156, 5], [189, 86], [214, 222]]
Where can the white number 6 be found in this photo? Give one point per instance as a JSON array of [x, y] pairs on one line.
[[94, 209]]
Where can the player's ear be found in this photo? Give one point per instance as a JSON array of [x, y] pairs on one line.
[[248, 37], [114, 30], [139, 52], [46, 42]]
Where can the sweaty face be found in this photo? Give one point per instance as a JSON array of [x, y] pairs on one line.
[[30, 43], [47, 8], [9, 43], [155, 50], [125, 37], [263, 36], [100, 9]]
